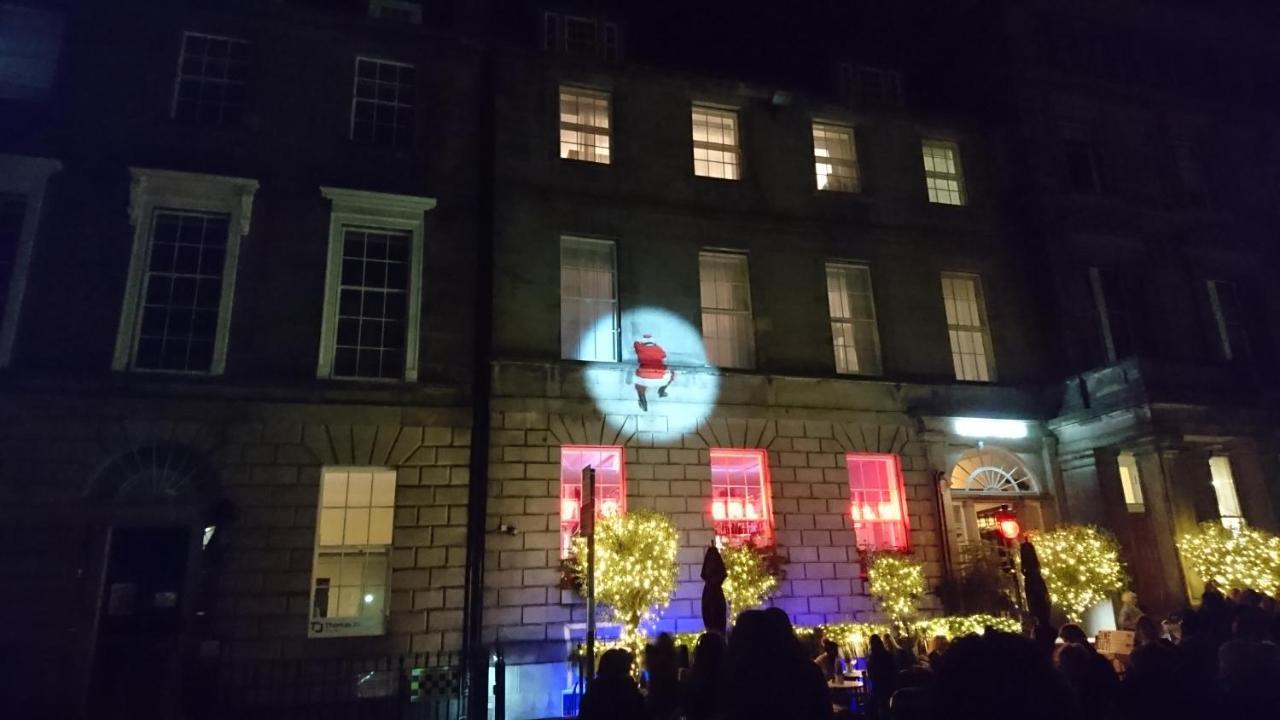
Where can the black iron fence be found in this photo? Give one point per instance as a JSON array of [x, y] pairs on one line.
[[426, 686]]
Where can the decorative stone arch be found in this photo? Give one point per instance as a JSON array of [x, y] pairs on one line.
[[991, 470], [163, 475]]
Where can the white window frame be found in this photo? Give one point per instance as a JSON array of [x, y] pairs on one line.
[[854, 179], [750, 339], [1130, 482], [359, 625], [1224, 491], [735, 149], [853, 322], [730, 483], [611, 487], [889, 500], [378, 211], [1223, 324], [616, 329], [27, 177], [958, 176], [154, 190], [580, 93], [984, 328]]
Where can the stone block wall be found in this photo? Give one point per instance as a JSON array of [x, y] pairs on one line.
[[266, 460], [670, 472]]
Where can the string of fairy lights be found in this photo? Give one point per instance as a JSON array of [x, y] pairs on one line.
[[747, 579], [897, 581], [1246, 558], [1080, 565], [635, 566]]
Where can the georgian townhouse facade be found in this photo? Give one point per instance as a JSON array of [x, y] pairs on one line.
[[235, 417], [268, 270]]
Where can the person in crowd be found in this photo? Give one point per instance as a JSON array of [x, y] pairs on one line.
[[882, 675], [660, 663], [829, 660], [999, 675], [1148, 689], [1249, 666], [702, 690], [612, 694], [1129, 610], [767, 674], [938, 646], [1094, 685]]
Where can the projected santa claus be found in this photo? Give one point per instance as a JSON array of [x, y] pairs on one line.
[[651, 370]]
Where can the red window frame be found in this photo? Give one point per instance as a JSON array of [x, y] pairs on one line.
[[611, 486], [877, 502], [741, 506]]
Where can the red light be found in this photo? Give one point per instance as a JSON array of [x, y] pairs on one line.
[[1009, 528]]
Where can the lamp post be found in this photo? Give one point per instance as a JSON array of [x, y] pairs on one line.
[[588, 514]]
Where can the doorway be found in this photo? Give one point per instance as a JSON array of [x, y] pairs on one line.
[[140, 621]]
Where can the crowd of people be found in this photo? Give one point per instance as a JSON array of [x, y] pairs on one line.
[[1221, 659]]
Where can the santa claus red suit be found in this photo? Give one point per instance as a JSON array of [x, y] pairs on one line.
[[651, 370]]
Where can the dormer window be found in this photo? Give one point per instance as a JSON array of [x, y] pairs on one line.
[[580, 36], [871, 86]]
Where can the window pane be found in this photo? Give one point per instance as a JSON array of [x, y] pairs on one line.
[[373, 297], [182, 291], [611, 490], [966, 327], [943, 180], [588, 303], [212, 72], [741, 508], [584, 125], [715, 143], [382, 109], [853, 326]]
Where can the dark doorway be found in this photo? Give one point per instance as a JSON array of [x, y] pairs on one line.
[[137, 668]]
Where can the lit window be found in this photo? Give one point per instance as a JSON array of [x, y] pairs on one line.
[[741, 508], [212, 76], [584, 125], [374, 289], [835, 161], [853, 319], [177, 305], [1224, 487], [715, 143], [942, 175], [1228, 319], [588, 300], [30, 42], [1131, 482], [727, 329], [967, 327], [382, 103], [353, 544], [877, 503], [611, 487]]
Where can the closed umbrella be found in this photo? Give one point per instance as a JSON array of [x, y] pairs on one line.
[[715, 612], [1036, 592]]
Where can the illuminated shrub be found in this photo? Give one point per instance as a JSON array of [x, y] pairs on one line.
[[1080, 565], [1249, 558]]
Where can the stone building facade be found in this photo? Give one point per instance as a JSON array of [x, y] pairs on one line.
[[1044, 183]]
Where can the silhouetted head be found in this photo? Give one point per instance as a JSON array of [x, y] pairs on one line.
[[1072, 633], [1250, 623], [708, 654], [615, 663], [1192, 623], [1146, 631], [877, 645]]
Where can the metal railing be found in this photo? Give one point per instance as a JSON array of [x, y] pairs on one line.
[[425, 686]]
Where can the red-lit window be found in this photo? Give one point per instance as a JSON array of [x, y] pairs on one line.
[[740, 506], [876, 502], [611, 486]]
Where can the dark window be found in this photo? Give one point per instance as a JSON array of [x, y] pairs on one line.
[[580, 36], [30, 42], [212, 77], [871, 87], [12, 210], [182, 291], [1193, 186], [382, 103], [373, 302], [1081, 158], [1115, 300], [1229, 321]]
